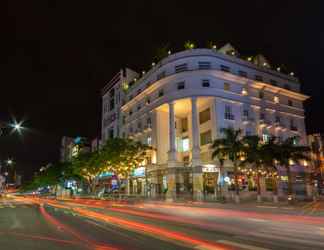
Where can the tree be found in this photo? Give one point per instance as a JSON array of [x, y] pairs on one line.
[[229, 147], [270, 148], [255, 156], [87, 166], [288, 151], [122, 156], [49, 176]]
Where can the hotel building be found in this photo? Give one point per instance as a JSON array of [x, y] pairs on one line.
[[180, 106]]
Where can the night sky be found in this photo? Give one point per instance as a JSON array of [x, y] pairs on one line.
[[55, 56]]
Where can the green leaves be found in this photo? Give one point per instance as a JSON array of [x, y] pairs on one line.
[[229, 146]]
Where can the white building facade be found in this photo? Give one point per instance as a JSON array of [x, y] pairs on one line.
[[180, 106]]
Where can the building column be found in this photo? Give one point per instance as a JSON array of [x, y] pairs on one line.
[[197, 183], [172, 154], [197, 170], [195, 132]]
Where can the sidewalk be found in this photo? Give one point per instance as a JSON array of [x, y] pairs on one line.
[[299, 208]]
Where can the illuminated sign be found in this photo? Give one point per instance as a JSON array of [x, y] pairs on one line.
[[284, 178], [227, 179], [139, 172], [209, 168], [106, 174]]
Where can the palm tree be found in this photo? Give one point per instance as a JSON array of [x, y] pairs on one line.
[[189, 45], [270, 148], [255, 156], [229, 147], [288, 151]]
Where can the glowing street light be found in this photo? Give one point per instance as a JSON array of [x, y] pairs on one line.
[[17, 126], [9, 162]]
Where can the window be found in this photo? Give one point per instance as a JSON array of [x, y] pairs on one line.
[[130, 112], [139, 107], [262, 116], [259, 78], [149, 140], [180, 85], [112, 104], [225, 68], [205, 83], [204, 65], [227, 86], [139, 91], [242, 73], [261, 94], [277, 119], [286, 86], [290, 103], [161, 92], [205, 138], [111, 133], [181, 67], [149, 122], [273, 82], [160, 75], [148, 100], [228, 113], [276, 99], [184, 146], [124, 119], [184, 124], [139, 125], [204, 116], [246, 113], [293, 127]]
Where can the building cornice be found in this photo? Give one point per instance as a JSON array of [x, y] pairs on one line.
[[214, 73]]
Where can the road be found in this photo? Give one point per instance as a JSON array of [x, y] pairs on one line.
[[92, 224], [24, 225]]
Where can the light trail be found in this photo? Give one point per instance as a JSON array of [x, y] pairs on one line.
[[82, 238]]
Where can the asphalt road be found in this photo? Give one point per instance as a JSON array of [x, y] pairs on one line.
[[26, 226], [86, 224]]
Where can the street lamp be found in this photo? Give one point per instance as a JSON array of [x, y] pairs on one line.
[[17, 126], [9, 162]]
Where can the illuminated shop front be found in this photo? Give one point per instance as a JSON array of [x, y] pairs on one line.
[[137, 182]]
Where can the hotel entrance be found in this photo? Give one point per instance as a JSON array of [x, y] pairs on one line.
[[210, 180]]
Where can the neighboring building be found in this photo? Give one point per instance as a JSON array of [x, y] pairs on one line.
[[95, 144], [181, 104], [316, 143], [73, 146]]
